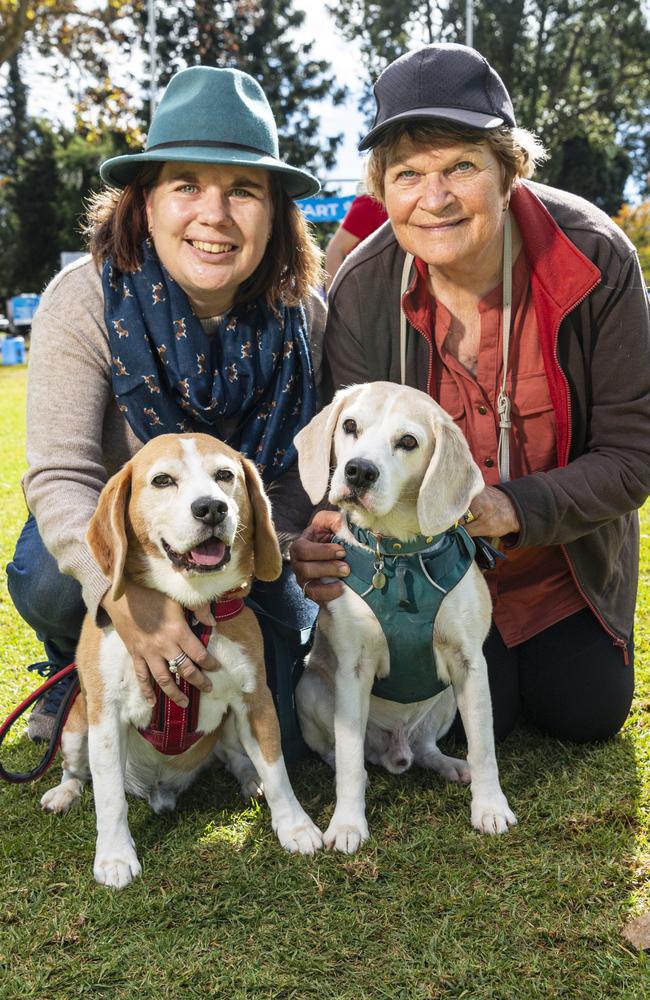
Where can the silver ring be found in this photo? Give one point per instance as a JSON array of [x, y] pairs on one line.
[[177, 662], [304, 587]]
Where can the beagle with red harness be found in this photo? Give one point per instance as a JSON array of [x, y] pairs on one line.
[[187, 516]]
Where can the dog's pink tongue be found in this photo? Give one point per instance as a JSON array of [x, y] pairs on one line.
[[209, 553]]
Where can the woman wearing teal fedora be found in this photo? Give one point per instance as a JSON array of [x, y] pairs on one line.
[[195, 311]]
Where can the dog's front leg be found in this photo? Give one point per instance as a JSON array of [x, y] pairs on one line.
[[258, 729], [116, 863], [490, 810], [352, 683]]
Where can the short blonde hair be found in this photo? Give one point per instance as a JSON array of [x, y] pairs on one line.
[[517, 150]]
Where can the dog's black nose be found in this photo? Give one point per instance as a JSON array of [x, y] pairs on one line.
[[359, 473], [209, 510]]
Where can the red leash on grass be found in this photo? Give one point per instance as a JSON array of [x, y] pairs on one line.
[[22, 777]]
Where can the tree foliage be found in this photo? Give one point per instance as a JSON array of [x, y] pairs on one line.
[[75, 40], [65, 30], [577, 71], [45, 175], [258, 36], [42, 203], [635, 221], [47, 171]]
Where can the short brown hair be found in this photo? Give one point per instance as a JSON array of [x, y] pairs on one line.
[[291, 267], [517, 149]]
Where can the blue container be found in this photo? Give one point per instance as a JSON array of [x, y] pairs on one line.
[[13, 351], [22, 308]]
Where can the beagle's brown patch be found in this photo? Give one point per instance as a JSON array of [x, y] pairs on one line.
[[77, 721], [87, 660], [195, 756], [245, 631]]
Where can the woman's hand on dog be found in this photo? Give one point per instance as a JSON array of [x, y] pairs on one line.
[[314, 556], [494, 514], [154, 630]]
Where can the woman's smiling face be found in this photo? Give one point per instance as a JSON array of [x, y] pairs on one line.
[[446, 203], [210, 225]]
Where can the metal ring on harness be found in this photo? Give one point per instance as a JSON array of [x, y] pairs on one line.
[[22, 777]]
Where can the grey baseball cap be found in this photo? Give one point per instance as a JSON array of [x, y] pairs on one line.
[[444, 80]]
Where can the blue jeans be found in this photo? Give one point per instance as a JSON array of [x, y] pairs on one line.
[[49, 601], [51, 604]]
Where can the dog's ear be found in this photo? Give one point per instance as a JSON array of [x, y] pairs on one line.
[[106, 535], [451, 482], [314, 445], [266, 549]]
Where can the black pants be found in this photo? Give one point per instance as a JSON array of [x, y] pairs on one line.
[[570, 681]]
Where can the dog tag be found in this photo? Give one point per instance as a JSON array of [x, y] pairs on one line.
[[378, 580]]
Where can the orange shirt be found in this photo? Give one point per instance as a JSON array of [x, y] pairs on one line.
[[533, 588]]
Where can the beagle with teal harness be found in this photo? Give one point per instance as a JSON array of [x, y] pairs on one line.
[[401, 648]]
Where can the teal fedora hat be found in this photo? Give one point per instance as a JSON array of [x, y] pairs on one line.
[[209, 115]]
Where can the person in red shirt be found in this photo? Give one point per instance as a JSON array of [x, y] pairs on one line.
[[361, 219], [522, 310]]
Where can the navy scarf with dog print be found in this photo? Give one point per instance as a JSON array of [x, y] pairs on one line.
[[170, 376]]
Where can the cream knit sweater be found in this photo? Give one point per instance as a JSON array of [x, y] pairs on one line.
[[77, 437]]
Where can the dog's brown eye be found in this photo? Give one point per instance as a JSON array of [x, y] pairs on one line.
[[162, 480], [350, 427], [407, 442], [224, 476]]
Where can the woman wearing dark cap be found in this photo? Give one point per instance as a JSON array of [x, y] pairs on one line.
[[522, 310], [195, 311]]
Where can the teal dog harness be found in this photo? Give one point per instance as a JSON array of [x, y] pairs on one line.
[[403, 583]]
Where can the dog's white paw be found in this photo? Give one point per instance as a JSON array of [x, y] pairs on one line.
[[453, 769], [457, 770], [299, 835], [62, 797], [492, 815], [251, 786], [346, 834], [116, 868]]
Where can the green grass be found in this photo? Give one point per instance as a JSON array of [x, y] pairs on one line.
[[427, 909]]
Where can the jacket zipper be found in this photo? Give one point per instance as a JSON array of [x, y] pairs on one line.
[[559, 366], [422, 334]]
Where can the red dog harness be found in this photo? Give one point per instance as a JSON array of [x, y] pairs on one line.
[[172, 729]]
